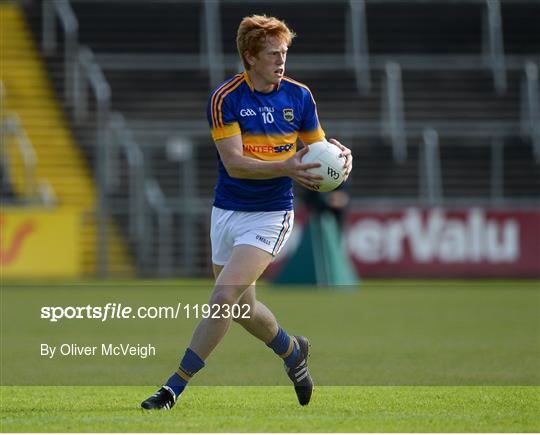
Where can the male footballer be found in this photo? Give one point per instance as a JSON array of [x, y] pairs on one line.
[[255, 118]]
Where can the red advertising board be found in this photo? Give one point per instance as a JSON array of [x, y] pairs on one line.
[[435, 242], [471, 242]]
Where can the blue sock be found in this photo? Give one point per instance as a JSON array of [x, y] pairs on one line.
[[283, 345], [190, 364]]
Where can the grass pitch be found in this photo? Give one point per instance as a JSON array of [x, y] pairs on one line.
[[274, 409], [393, 356]]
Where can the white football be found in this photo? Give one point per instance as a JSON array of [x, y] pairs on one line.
[[331, 168]]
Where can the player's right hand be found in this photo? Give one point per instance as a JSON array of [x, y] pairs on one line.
[[298, 171]]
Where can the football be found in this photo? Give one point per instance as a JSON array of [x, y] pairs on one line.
[[328, 155]]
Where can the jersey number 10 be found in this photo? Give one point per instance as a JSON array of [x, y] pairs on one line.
[[268, 118]]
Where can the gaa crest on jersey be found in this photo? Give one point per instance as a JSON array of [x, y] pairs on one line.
[[288, 114]]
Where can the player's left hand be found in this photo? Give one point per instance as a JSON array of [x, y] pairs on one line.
[[345, 152]]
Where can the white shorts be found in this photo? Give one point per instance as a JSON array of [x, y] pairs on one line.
[[267, 230]]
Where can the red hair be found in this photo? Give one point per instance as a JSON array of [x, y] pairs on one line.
[[253, 32]]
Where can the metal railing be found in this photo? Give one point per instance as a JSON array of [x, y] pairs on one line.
[[62, 9], [122, 138], [34, 190], [355, 58], [81, 73], [90, 76], [11, 127], [392, 112], [493, 45], [182, 151], [530, 106], [358, 47], [158, 204], [431, 192], [214, 50]]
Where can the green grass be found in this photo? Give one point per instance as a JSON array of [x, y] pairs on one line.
[[386, 333], [394, 356], [274, 409]]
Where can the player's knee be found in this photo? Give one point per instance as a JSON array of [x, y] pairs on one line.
[[224, 295]]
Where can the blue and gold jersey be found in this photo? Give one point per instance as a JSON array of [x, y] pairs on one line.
[[270, 124]]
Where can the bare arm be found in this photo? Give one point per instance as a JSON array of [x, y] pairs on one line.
[[240, 166]]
